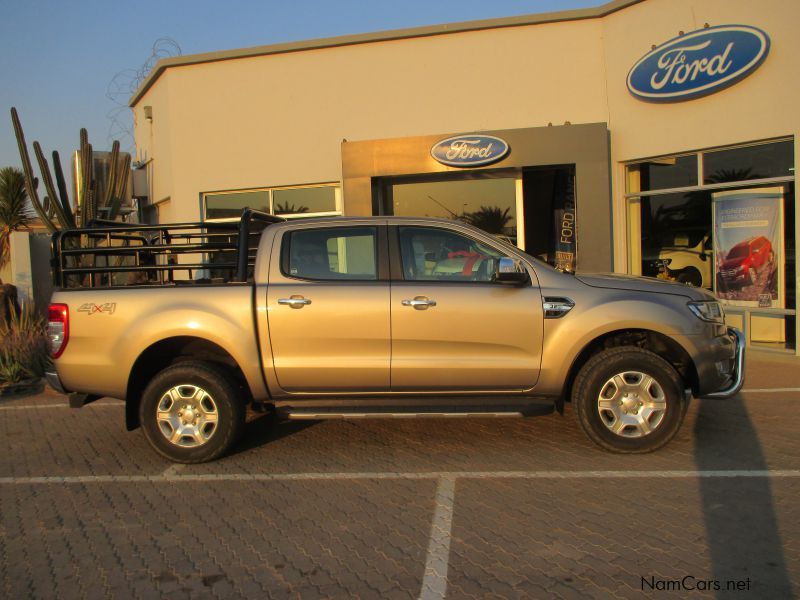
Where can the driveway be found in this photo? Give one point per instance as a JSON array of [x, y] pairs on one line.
[[511, 508]]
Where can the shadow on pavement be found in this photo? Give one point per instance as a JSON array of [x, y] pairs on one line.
[[742, 530], [265, 429]]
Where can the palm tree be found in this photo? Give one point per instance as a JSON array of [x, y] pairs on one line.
[[489, 218], [286, 208], [15, 212]]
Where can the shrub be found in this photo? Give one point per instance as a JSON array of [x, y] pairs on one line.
[[24, 346]]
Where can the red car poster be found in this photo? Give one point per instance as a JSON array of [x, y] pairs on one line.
[[748, 247]]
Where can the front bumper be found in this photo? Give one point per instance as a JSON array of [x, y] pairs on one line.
[[737, 376]]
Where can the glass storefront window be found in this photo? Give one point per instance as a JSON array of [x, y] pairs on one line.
[[761, 161], [289, 201], [231, 205], [676, 234], [728, 233], [489, 204], [666, 173], [304, 200]]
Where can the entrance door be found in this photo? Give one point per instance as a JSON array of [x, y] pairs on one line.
[[550, 212], [328, 311], [452, 328], [488, 199]]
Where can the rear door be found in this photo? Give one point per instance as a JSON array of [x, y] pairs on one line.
[[328, 309], [453, 329]]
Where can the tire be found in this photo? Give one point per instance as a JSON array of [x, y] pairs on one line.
[[690, 277], [619, 375], [202, 414]]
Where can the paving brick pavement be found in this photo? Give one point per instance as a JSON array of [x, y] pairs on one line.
[[256, 524]]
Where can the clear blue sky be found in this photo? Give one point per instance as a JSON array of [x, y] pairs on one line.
[[59, 57]]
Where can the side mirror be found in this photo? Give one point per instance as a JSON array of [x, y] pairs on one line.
[[510, 270]]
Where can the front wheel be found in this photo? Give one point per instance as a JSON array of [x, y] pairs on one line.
[[690, 277], [190, 412], [629, 400]]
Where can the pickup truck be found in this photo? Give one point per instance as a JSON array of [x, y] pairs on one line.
[[357, 317]]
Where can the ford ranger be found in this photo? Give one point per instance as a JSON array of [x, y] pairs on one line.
[[350, 318]]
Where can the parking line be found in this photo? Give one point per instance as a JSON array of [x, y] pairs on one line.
[[434, 583], [770, 390], [60, 405], [264, 477], [172, 470]]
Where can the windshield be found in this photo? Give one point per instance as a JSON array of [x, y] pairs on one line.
[[739, 251]]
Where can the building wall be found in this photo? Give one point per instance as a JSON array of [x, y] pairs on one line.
[[583, 145], [280, 119], [761, 106], [154, 141]]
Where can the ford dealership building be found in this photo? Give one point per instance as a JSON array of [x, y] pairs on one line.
[[653, 137]]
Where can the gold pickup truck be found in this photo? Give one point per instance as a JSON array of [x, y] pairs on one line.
[[350, 318]]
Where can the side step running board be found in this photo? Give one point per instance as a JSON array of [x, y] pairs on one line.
[[449, 412]]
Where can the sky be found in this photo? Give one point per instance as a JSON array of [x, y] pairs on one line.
[[58, 59]]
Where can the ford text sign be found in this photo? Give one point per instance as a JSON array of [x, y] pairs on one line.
[[699, 63], [469, 150]]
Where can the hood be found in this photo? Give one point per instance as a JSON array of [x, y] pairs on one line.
[[732, 263], [615, 281]]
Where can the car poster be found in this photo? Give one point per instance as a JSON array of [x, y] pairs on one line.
[[748, 247]]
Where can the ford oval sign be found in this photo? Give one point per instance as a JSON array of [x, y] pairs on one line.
[[699, 63], [469, 150]]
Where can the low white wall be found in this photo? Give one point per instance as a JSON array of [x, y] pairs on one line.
[[29, 268]]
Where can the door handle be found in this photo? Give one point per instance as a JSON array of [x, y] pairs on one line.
[[294, 301], [420, 303]]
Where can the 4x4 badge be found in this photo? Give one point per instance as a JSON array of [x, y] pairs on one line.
[[91, 308]]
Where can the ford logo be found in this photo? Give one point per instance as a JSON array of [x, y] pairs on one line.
[[469, 150], [699, 63]]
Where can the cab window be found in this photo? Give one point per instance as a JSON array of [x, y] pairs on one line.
[[331, 254], [432, 254]]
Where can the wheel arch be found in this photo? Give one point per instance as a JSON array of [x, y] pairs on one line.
[[647, 339], [177, 349]]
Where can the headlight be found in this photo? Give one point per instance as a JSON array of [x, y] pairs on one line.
[[708, 310]]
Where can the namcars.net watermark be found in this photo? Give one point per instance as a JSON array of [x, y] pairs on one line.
[[690, 583]]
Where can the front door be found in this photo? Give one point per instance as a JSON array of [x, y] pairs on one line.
[[328, 310], [453, 329]]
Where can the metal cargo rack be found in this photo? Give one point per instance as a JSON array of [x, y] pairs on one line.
[[111, 254]]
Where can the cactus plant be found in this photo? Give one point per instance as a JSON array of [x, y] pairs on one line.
[[31, 183], [54, 209]]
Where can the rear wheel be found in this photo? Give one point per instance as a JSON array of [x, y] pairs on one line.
[[629, 400], [191, 413]]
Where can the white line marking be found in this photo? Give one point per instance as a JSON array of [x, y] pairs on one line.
[[35, 406], [258, 477], [770, 390], [172, 470], [434, 583]]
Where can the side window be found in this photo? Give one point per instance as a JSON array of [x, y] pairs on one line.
[[331, 254], [432, 254]]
